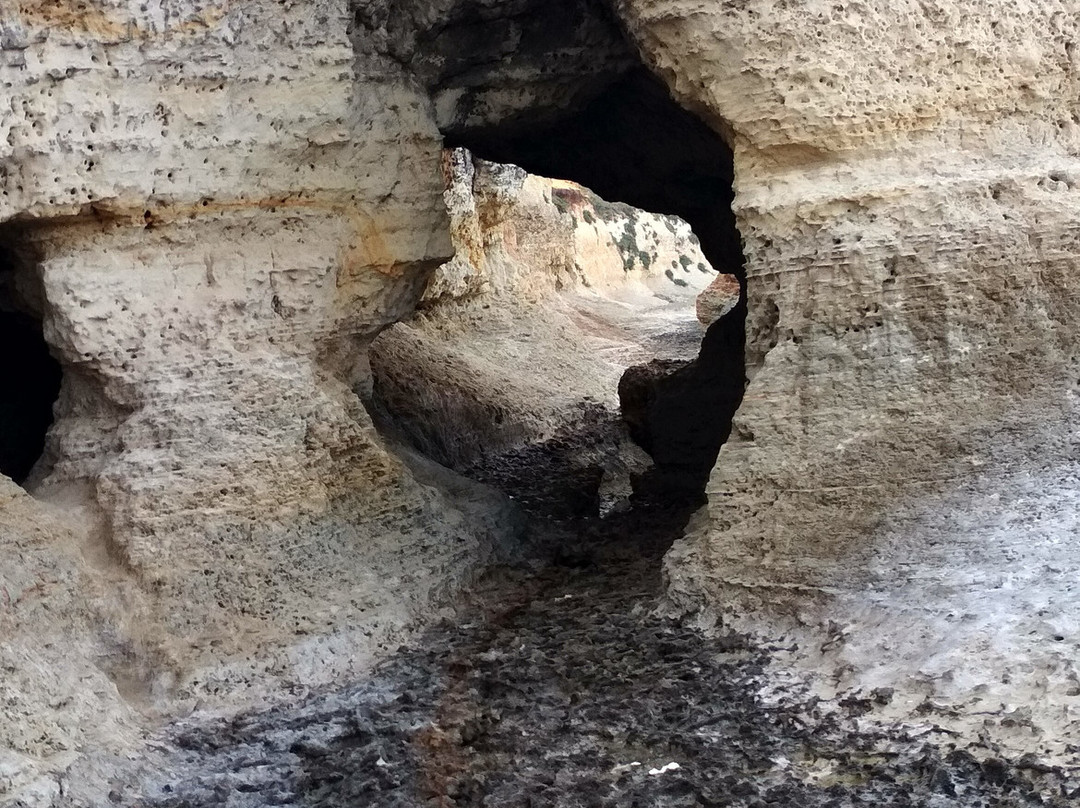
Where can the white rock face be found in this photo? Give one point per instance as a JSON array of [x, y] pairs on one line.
[[520, 236], [906, 191]]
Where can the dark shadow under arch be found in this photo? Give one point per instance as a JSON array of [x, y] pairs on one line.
[[29, 373]]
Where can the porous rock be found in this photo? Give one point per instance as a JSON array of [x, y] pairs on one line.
[[221, 205], [224, 203], [906, 190]]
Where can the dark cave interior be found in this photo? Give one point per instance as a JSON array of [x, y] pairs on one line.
[[32, 377]]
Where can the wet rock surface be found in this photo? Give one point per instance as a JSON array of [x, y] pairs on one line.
[[564, 688]]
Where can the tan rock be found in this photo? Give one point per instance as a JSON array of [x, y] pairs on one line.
[[219, 223], [224, 202], [717, 299]]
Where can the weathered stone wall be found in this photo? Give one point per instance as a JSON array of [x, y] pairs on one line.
[[224, 202], [218, 206], [906, 190]]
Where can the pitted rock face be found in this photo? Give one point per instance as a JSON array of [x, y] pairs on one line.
[[905, 194], [516, 352]]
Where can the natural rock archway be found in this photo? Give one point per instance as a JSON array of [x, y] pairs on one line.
[[229, 201], [633, 143], [560, 90], [509, 372]]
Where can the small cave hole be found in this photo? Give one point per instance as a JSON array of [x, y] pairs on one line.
[[31, 375], [599, 118]]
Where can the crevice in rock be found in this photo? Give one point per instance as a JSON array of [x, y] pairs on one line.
[[496, 376], [31, 374], [560, 90], [633, 143]]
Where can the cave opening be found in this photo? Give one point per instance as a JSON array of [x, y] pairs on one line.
[[557, 88], [31, 374], [632, 143]]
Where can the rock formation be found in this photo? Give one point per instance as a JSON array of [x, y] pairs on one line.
[[212, 211], [552, 294], [214, 208], [905, 193]]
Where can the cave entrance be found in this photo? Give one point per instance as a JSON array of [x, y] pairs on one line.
[[31, 375], [557, 88], [633, 143]]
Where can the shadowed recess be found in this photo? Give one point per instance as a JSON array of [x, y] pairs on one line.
[[31, 378]]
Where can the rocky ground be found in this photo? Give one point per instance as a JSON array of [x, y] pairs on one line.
[[561, 684]]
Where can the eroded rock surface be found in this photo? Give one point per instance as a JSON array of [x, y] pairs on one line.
[[522, 337], [906, 193], [222, 204], [209, 280]]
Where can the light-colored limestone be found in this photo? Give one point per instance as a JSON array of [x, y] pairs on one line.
[[219, 206], [907, 191], [551, 295], [519, 237], [224, 202]]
